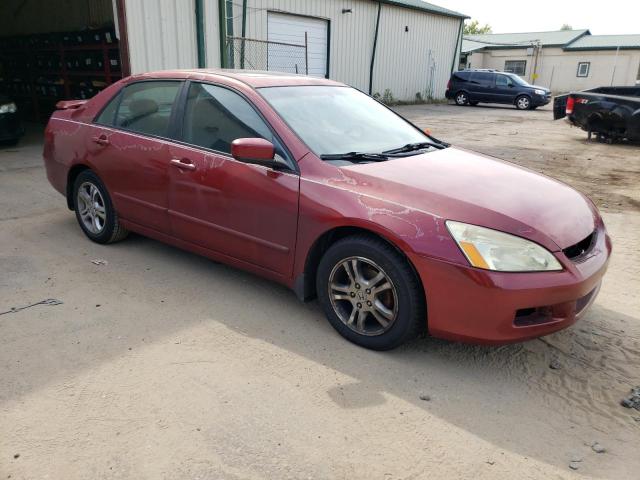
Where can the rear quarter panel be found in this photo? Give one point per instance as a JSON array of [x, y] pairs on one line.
[[66, 137]]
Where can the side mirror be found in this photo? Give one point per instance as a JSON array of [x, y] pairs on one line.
[[255, 150]]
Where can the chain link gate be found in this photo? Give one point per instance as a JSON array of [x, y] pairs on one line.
[[251, 54]]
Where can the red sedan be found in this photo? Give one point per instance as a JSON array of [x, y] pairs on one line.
[[315, 185]]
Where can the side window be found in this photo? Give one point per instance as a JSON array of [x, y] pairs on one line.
[[583, 69], [146, 107], [503, 81], [485, 79], [107, 116], [518, 67], [216, 116]]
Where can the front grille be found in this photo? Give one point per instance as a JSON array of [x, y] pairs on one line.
[[580, 249], [584, 302]]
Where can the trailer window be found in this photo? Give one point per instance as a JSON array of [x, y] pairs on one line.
[[583, 69], [518, 67]]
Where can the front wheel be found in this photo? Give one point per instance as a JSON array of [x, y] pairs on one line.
[[94, 210], [523, 102], [369, 293]]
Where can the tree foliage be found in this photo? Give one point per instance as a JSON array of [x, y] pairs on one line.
[[474, 28], [566, 26]]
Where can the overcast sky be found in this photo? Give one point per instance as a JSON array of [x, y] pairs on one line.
[[608, 17]]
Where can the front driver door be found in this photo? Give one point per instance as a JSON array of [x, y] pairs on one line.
[[244, 211], [505, 89]]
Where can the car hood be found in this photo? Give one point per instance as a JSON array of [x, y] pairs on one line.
[[540, 88], [469, 187]]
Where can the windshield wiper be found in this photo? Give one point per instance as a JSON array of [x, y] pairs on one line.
[[412, 147], [355, 156]]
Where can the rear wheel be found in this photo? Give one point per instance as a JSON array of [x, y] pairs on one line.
[[94, 210], [523, 102], [369, 293], [12, 142], [462, 98]]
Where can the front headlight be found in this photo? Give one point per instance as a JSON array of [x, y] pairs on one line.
[[499, 251], [8, 108], [540, 92]]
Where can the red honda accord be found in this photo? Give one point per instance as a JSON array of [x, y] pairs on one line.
[[317, 186]]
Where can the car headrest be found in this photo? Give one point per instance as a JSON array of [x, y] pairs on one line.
[[143, 107]]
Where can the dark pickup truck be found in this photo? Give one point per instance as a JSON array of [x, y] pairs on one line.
[[611, 113]]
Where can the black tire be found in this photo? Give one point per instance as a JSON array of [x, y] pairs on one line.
[[523, 102], [461, 98], [410, 312], [111, 231], [473, 104], [12, 142]]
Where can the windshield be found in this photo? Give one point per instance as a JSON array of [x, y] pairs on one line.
[[518, 80], [333, 120]]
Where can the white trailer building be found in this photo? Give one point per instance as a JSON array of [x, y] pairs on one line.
[[562, 60]]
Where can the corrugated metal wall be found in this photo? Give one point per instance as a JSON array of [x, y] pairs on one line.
[[212, 33], [44, 16], [406, 61], [162, 34], [417, 61], [351, 35]]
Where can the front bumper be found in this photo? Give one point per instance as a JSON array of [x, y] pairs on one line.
[[479, 306], [10, 126], [541, 100]]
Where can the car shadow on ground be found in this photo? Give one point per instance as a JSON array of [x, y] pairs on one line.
[[595, 364]]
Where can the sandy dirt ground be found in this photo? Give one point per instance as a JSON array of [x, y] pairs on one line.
[[162, 365]]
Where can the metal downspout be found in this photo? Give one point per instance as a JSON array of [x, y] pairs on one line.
[[200, 34], [458, 46], [244, 31], [222, 19], [375, 46]]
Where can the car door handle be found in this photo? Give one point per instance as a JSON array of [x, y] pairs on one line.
[[184, 163], [101, 140]]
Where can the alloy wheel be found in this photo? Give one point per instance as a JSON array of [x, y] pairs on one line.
[[91, 208], [461, 99], [523, 103], [363, 296]]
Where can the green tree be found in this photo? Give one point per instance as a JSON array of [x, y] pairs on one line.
[[474, 28], [566, 26]]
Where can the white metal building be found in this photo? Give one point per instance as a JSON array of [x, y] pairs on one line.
[[413, 45], [398, 49], [562, 60]]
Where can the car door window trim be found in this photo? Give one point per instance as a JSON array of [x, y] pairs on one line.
[[291, 163], [120, 94], [170, 141]]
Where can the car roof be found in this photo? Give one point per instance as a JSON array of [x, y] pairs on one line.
[[252, 78]]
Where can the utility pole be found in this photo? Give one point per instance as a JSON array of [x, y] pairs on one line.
[[615, 65], [536, 52]]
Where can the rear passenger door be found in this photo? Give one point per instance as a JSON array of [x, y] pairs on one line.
[[482, 87], [130, 153]]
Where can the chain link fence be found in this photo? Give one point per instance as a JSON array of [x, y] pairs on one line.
[[251, 54]]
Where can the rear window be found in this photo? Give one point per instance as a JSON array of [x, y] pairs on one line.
[[461, 76], [143, 107], [146, 107]]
